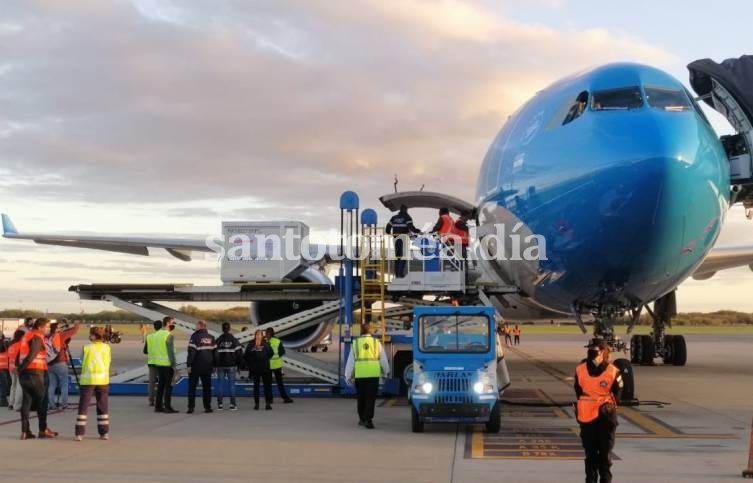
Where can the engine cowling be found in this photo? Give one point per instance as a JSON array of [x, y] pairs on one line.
[[269, 311]]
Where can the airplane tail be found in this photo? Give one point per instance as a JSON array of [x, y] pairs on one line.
[[8, 228]]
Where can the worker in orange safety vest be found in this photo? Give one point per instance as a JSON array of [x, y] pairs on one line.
[[598, 385]]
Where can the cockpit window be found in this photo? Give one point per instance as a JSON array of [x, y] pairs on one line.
[[577, 109], [667, 99], [617, 99]]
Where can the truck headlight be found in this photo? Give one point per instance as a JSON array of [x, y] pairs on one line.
[[478, 387], [427, 387]]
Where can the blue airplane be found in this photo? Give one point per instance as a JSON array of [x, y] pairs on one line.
[[618, 180]]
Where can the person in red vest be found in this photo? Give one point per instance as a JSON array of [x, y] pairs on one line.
[[462, 234], [57, 363], [32, 372], [516, 334], [598, 385], [444, 225]]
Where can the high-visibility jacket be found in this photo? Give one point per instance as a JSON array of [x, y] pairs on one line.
[[156, 348], [40, 361], [448, 224], [516, 332], [506, 329], [56, 343], [95, 367], [366, 357], [276, 361], [597, 391], [3, 361], [13, 355], [460, 234]]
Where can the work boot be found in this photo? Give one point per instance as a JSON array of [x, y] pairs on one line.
[[170, 411], [287, 400], [256, 407], [190, 411], [369, 424], [219, 405], [208, 410], [268, 407], [27, 435]]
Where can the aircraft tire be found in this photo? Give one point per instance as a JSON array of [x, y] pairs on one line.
[[628, 379], [681, 350], [416, 425], [669, 348], [635, 349], [495, 419], [647, 350]]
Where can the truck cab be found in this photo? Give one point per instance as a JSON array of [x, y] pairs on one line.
[[459, 371]]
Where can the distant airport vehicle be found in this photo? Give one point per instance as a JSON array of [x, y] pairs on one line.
[[459, 370], [620, 176]]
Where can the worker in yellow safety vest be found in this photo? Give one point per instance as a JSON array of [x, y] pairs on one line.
[[366, 362], [598, 385], [94, 381], [275, 363], [149, 339], [161, 353]]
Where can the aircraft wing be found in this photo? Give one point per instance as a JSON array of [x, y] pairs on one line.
[[723, 258], [177, 247]]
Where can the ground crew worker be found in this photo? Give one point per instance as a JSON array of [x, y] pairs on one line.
[[516, 334], [229, 355], [161, 352], [366, 361], [57, 362], [258, 354], [462, 235], [401, 227], [16, 393], [444, 225], [32, 370], [508, 337], [200, 363], [275, 363], [5, 380], [598, 385], [28, 324], [94, 380], [153, 368]]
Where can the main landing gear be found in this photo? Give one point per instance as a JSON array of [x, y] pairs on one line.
[[670, 348]]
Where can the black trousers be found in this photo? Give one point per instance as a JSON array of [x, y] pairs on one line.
[[164, 387], [35, 394], [598, 442], [280, 386], [366, 390], [206, 389], [266, 378], [517, 340], [399, 251]]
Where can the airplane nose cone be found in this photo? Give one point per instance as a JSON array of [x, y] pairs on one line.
[[639, 225]]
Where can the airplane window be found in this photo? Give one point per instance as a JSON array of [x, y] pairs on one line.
[[577, 109], [667, 99], [617, 99]]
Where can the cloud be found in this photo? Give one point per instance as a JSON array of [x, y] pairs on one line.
[[285, 102]]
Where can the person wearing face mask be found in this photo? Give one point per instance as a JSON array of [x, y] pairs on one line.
[[598, 385], [32, 372]]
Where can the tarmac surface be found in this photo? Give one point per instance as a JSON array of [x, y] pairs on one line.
[[701, 435]]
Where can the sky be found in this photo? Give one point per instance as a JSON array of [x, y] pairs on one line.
[[165, 118]]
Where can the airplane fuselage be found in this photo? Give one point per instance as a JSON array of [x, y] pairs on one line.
[[621, 174]]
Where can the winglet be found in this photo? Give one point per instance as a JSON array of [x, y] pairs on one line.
[[8, 228]]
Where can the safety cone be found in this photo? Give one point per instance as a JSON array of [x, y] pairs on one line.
[[748, 472]]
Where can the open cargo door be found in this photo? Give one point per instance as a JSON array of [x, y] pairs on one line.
[[728, 88]]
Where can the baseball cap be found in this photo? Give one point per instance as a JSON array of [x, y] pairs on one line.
[[597, 343]]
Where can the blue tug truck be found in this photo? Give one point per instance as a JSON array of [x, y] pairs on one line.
[[459, 371]]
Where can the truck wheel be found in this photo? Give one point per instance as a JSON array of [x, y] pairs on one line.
[[681, 350], [628, 380], [313, 348], [400, 362], [415, 423], [325, 348], [495, 419]]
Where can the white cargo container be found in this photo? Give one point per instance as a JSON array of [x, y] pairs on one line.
[[262, 251]]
